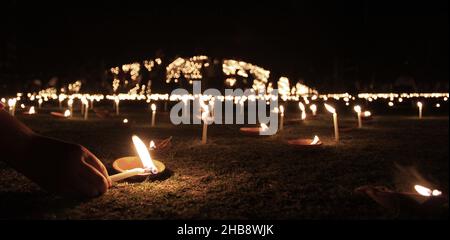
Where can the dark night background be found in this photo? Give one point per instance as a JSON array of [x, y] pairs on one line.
[[332, 45]]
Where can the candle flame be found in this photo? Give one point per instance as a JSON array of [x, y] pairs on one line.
[[357, 108], [144, 155], [436, 192], [281, 109], [263, 127], [31, 111], [315, 140], [67, 113], [419, 104], [85, 101], [330, 108], [153, 107], [12, 102], [313, 107], [301, 106], [125, 120], [152, 145], [424, 191], [367, 114]]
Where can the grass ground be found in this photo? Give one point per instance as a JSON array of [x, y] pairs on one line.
[[241, 177]]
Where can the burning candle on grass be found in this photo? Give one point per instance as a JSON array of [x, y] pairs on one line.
[[281, 117], [85, 103], [31, 111], [70, 105], [335, 121], [315, 141], [305, 143], [313, 109], [357, 109], [153, 107], [303, 110], [206, 120], [424, 191], [67, 113], [40, 101], [420, 106], [12, 106], [142, 165], [60, 99], [116, 104]]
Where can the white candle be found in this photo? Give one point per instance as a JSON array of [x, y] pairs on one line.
[[86, 108], [70, 104], [153, 107], [313, 108], [12, 106], [335, 121], [205, 133], [205, 116], [357, 109], [127, 174], [302, 110], [420, 105], [40, 102], [117, 105], [281, 117], [336, 128]]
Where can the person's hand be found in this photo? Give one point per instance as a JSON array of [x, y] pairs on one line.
[[63, 168]]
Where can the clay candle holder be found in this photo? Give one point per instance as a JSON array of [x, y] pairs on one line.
[[137, 168], [253, 130], [66, 114], [306, 143]]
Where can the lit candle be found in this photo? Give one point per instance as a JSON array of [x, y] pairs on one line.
[[40, 102], [424, 191], [420, 105], [12, 106], [147, 163], [335, 121], [303, 110], [70, 105], [315, 140], [153, 107], [313, 108], [125, 120], [60, 99], [32, 110], [116, 101], [281, 117], [91, 99], [67, 113], [86, 107], [357, 109]]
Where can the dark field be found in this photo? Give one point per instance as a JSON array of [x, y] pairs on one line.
[[241, 177]]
